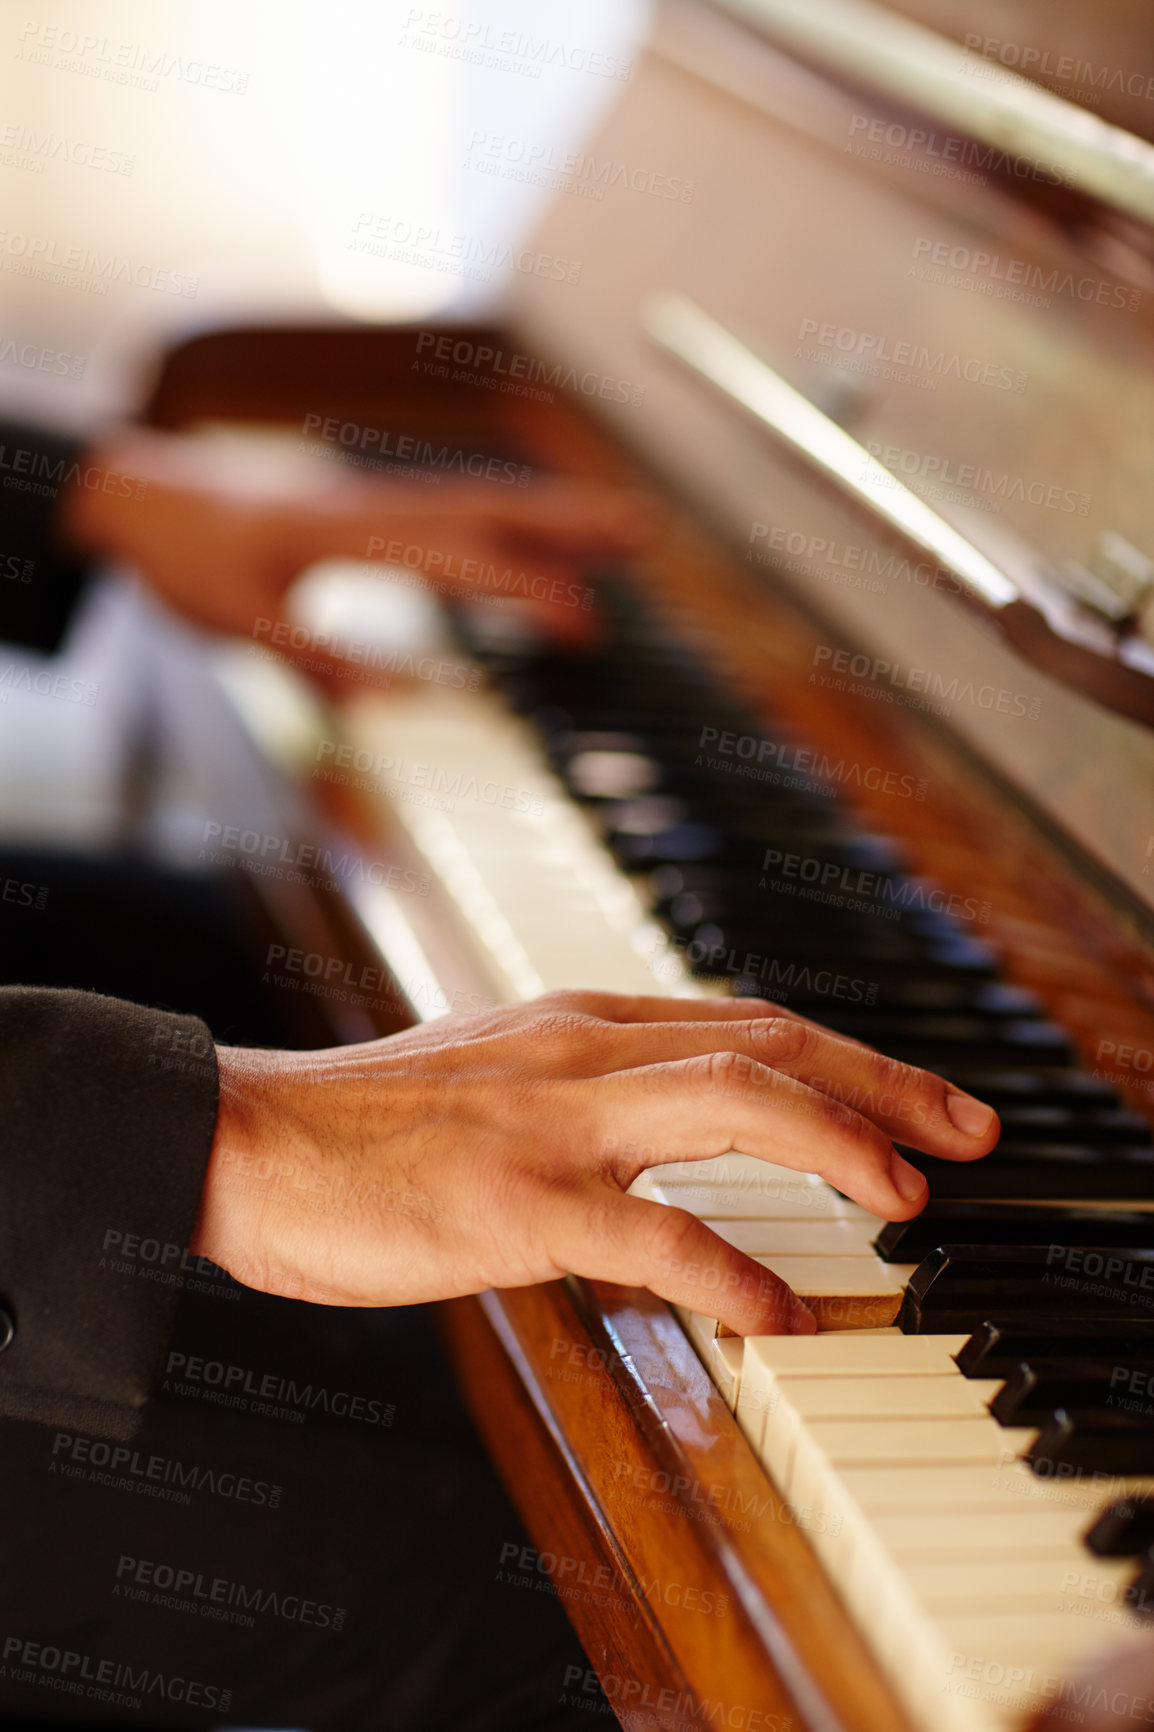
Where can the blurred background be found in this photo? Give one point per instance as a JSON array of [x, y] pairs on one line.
[[230, 160], [166, 174]]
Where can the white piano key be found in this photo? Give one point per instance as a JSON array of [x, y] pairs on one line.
[[722, 1357], [969, 1586], [859, 1276], [926, 1534], [701, 1330], [853, 1353], [1043, 1643], [773, 1201], [842, 1292], [742, 1187], [878, 1398], [987, 1486], [797, 1408], [863, 1443], [910, 1647], [796, 1238], [792, 1202], [886, 1593]]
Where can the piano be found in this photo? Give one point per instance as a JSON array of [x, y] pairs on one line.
[[866, 732]]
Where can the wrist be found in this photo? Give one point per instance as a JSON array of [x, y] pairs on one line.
[[127, 463], [231, 1177], [265, 1181]]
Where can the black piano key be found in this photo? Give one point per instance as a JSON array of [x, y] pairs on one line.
[[797, 930], [901, 993], [996, 1347], [1039, 1387], [1057, 1125], [1140, 1593], [602, 767], [1124, 1530], [1070, 1127], [1074, 1442], [1039, 1171], [802, 952], [1069, 1088], [846, 946], [929, 1040], [944, 1222], [735, 896], [688, 842], [969, 1283], [957, 995], [692, 893], [691, 838]]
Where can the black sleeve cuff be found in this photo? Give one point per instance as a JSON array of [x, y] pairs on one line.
[[40, 578], [109, 1112]]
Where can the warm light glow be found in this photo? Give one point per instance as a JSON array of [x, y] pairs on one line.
[[379, 146]]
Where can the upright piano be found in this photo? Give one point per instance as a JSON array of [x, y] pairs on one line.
[[867, 731]]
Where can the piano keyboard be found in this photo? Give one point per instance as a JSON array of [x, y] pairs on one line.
[[582, 845]]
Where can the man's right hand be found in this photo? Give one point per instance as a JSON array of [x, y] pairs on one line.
[[496, 1150]]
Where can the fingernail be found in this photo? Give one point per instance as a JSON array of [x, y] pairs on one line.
[[972, 1117], [802, 1321], [908, 1182]]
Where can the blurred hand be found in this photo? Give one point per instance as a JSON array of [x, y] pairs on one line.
[[1107, 1695], [495, 1150], [221, 532]]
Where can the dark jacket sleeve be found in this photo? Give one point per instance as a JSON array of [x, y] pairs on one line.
[[108, 1112], [40, 578]]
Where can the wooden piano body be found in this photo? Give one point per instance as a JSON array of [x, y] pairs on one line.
[[696, 1590]]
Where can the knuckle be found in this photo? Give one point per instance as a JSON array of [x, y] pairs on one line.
[[935, 1089], [910, 1088], [900, 1091], [895, 1081], [672, 1235], [728, 1070], [560, 1029], [580, 1000], [831, 1114], [845, 1121], [784, 1039]]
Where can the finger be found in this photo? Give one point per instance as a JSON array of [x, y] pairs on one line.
[[641, 1244], [466, 559], [634, 1007], [569, 517], [1109, 1684], [694, 1109], [576, 516], [913, 1106]]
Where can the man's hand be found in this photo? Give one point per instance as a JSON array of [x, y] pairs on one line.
[[494, 1150], [221, 531]]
